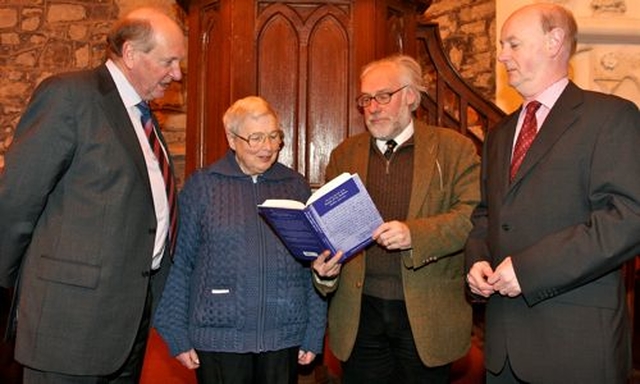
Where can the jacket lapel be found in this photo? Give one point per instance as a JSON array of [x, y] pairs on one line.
[[424, 165], [120, 122], [560, 119], [361, 156], [504, 137]]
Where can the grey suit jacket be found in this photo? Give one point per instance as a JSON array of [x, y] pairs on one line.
[[77, 223], [569, 220]]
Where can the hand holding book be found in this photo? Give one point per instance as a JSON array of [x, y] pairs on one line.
[[340, 216], [326, 266]]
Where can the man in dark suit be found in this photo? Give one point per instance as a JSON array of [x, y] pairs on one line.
[[84, 213], [551, 233]]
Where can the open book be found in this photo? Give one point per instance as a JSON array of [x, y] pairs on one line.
[[338, 216]]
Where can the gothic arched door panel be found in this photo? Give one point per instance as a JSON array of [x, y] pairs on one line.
[[303, 67], [302, 56]]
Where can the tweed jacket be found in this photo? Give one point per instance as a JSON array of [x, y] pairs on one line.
[[444, 192]]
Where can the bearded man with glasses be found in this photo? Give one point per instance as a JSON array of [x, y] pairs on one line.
[[398, 311]]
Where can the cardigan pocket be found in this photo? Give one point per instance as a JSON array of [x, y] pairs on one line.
[[216, 307]]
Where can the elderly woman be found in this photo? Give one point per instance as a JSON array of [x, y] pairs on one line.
[[238, 307]]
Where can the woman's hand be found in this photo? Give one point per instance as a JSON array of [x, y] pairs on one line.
[[189, 359]]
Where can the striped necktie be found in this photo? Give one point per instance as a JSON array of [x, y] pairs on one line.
[[169, 181]]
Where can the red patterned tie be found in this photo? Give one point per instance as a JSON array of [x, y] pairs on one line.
[[167, 174], [525, 138]]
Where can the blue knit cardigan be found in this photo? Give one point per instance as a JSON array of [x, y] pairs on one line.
[[234, 287]]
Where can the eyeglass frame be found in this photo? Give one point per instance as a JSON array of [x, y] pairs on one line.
[[375, 97], [279, 137]]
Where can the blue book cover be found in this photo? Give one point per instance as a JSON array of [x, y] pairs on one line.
[[338, 216]]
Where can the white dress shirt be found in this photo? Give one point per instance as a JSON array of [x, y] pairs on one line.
[[160, 202]]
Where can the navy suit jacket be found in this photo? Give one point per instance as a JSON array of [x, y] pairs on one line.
[[77, 226]]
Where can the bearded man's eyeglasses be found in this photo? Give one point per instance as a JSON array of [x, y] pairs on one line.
[[382, 98]]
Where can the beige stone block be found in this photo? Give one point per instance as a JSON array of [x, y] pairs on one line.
[[78, 31], [31, 19], [9, 39], [12, 75], [487, 10], [82, 56], [126, 6], [8, 17], [475, 28], [447, 26], [482, 44], [478, 12], [66, 12], [13, 90], [30, 24], [26, 59], [455, 56], [37, 39]]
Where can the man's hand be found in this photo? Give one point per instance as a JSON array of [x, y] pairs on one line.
[[504, 279], [393, 235], [327, 266], [477, 278]]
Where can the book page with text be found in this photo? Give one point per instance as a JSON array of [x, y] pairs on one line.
[[327, 187]]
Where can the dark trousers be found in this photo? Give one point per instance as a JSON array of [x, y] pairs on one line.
[[385, 351], [129, 373], [274, 367]]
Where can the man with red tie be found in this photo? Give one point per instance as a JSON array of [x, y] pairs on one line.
[[560, 214]]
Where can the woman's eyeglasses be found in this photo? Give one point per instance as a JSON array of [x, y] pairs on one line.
[[258, 138]]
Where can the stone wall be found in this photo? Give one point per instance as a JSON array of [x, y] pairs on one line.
[[468, 32], [42, 37]]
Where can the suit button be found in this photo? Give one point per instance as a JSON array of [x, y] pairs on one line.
[[146, 273], [359, 284], [506, 227]]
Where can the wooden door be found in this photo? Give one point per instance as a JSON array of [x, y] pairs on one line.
[[302, 56]]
